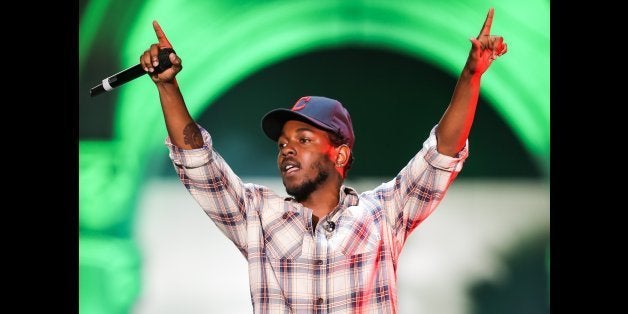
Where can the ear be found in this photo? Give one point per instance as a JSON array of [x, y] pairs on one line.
[[342, 156]]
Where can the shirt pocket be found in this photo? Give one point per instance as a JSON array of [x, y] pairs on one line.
[[283, 234], [358, 233]]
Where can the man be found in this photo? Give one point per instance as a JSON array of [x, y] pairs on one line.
[[327, 248]]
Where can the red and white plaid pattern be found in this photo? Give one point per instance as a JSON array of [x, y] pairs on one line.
[[295, 269]]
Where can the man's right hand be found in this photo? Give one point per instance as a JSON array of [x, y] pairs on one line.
[[149, 59]]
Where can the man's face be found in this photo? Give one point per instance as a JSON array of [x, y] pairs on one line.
[[304, 159]]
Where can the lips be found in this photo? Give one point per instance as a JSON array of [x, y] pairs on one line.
[[289, 166]]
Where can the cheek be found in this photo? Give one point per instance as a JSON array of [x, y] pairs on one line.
[[322, 162], [330, 159], [329, 152]]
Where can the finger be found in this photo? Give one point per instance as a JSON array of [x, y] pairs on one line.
[[146, 61], [477, 45], [154, 55], [486, 28], [163, 40], [504, 50], [497, 43]]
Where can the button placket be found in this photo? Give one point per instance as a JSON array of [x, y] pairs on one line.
[[321, 271]]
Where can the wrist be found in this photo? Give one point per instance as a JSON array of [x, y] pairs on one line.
[[470, 74], [167, 85]]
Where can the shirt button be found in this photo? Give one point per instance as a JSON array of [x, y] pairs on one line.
[[285, 215], [319, 301], [319, 262], [330, 226]]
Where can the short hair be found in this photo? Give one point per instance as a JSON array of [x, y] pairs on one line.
[[337, 140]]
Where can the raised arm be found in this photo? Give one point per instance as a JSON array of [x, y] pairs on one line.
[[182, 129], [455, 124]]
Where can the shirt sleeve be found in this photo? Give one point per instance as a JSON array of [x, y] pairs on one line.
[[216, 188], [419, 187]]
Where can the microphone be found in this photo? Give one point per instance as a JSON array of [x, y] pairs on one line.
[[131, 73], [330, 226]]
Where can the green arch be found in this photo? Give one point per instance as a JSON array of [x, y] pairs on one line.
[[236, 44]]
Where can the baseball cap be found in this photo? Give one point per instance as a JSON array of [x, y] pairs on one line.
[[322, 112]]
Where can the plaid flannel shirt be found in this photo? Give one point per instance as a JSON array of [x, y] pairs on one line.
[[294, 268]]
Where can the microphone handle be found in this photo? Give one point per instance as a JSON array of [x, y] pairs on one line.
[[132, 73], [118, 79]]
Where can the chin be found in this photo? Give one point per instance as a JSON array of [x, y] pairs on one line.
[[295, 190], [291, 183]]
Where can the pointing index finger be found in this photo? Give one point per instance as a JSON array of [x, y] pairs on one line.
[[486, 28], [163, 40]]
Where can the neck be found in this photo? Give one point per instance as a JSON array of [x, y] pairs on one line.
[[323, 200]]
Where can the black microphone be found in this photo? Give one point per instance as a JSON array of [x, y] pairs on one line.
[[131, 73], [330, 226]]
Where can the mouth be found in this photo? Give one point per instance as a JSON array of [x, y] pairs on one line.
[[289, 167]]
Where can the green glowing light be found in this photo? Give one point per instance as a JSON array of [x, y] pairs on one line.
[[109, 275], [107, 183], [89, 26]]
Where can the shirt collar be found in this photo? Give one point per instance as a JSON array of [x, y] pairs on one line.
[[347, 197]]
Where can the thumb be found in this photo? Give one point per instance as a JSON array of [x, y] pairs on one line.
[[176, 62], [174, 59], [476, 43]]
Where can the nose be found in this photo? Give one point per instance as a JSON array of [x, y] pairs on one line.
[[287, 150]]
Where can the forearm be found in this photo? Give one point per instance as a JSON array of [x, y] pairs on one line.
[[182, 129], [455, 124]]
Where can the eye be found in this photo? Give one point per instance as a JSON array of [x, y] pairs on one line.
[[282, 145], [304, 140]]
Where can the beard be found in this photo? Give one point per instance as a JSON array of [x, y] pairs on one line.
[[302, 191]]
